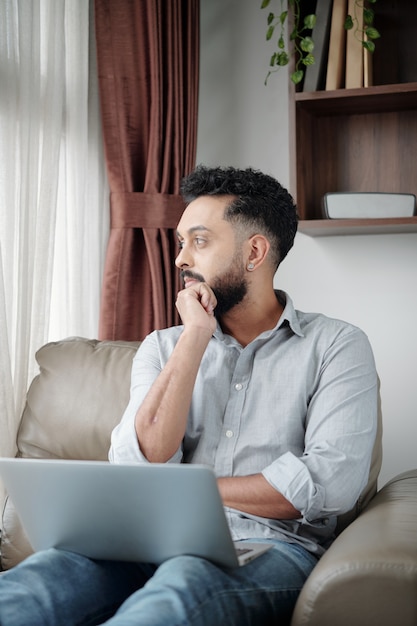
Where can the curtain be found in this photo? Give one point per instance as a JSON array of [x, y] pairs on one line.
[[53, 189], [148, 77]]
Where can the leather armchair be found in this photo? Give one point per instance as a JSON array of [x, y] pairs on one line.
[[367, 577]]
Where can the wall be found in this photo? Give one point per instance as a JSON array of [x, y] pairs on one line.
[[370, 281], [241, 122]]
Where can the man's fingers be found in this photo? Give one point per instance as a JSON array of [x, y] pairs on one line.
[[202, 293], [207, 298]]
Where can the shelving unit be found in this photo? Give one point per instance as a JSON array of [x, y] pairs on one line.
[[333, 227], [357, 140]]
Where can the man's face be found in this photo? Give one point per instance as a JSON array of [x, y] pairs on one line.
[[209, 251]]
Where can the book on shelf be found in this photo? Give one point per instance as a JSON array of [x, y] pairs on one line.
[[335, 76], [354, 51], [367, 68], [315, 75], [341, 61]]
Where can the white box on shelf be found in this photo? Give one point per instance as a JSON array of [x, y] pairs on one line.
[[368, 205]]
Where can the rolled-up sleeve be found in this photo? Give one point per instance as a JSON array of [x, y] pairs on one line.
[[340, 430]]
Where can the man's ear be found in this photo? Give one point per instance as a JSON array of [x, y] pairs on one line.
[[258, 250]]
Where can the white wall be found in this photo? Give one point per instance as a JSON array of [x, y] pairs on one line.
[[241, 122], [371, 280]]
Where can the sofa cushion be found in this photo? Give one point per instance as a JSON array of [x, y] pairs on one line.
[[77, 399], [71, 408]]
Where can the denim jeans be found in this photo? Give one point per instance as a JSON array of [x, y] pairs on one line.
[[60, 588]]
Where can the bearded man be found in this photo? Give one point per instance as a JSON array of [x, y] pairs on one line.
[[281, 404]]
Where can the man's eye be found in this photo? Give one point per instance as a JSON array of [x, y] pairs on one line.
[[180, 244], [200, 241]]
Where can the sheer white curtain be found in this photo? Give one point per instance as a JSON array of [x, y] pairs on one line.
[[53, 189]]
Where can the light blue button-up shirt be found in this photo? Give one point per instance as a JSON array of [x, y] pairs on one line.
[[298, 404]]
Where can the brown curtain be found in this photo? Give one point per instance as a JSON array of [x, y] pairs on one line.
[[147, 53]]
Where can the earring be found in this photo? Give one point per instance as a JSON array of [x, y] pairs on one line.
[[250, 267]]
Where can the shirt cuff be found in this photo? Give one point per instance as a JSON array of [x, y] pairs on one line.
[[291, 478]]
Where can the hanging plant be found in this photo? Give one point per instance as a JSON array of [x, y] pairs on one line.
[[302, 43], [367, 33]]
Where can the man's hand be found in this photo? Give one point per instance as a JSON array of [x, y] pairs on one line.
[[196, 304]]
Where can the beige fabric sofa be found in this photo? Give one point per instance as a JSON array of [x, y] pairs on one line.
[[368, 576]]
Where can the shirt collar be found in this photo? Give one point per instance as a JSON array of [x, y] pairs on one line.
[[289, 316]]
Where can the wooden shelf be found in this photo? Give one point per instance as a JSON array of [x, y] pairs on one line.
[[337, 227], [360, 140], [377, 99]]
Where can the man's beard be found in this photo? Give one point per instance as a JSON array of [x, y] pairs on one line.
[[229, 289]]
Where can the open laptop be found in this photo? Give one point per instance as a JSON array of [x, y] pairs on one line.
[[143, 513]]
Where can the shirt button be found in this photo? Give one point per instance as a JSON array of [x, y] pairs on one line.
[[229, 433], [238, 386]]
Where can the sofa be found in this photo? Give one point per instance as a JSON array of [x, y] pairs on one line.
[[367, 577]]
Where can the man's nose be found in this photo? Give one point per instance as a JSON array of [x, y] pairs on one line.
[[183, 259]]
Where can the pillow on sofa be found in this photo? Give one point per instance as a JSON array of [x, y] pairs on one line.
[[77, 399], [71, 408]]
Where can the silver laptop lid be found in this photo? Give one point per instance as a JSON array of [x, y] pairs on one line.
[[146, 513]]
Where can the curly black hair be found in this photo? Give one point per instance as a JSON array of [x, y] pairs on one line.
[[260, 203]]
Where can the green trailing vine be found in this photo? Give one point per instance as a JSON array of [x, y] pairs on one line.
[[368, 33], [302, 44]]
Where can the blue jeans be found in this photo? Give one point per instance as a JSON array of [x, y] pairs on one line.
[[61, 588]]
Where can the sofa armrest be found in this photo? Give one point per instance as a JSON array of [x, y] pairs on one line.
[[369, 574]]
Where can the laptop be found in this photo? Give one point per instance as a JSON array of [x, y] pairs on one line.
[[142, 513]]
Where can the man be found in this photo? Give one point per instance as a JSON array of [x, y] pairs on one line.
[[282, 404]]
